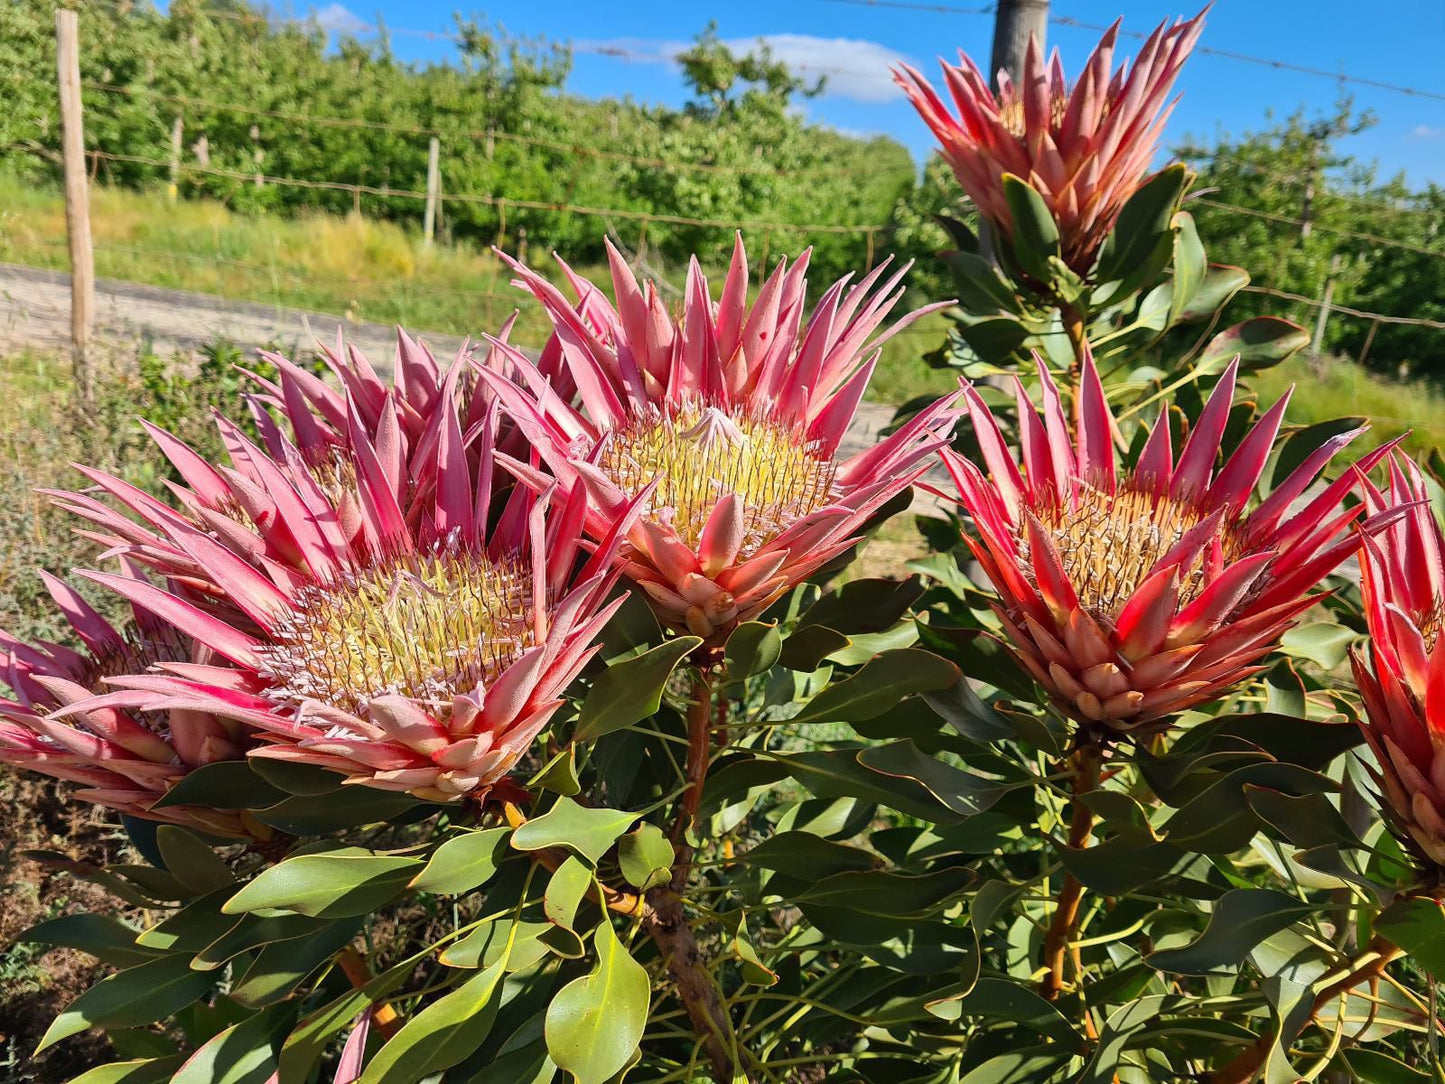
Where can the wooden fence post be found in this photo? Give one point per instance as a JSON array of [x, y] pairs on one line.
[[178, 134], [1324, 315], [433, 188], [77, 198]]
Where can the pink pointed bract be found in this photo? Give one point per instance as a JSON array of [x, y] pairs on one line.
[[1131, 595], [411, 647], [1403, 684], [1085, 150], [726, 422], [124, 757]]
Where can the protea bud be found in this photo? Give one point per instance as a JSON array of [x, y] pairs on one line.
[[416, 649], [1132, 594], [726, 424], [1085, 150], [1402, 578], [125, 757]]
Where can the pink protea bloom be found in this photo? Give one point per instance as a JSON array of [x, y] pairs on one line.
[[726, 424], [1402, 578], [419, 654], [1085, 150], [124, 757], [1132, 595]]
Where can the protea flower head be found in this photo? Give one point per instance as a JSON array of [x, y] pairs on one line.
[[1131, 595], [1402, 578], [125, 758], [725, 422], [419, 653], [1085, 150]]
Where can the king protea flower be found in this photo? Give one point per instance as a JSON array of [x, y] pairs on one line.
[[726, 424], [418, 654], [1131, 595], [1085, 150], [124, 758], [1402, 577]]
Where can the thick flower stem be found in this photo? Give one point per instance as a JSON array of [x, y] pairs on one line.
[[1087, 759], [1078, 340], [1368, 967]]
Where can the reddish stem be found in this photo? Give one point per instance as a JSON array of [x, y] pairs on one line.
[[1087, 759]]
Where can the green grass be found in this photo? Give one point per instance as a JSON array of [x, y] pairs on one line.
[[359, 268], [1340, 388]]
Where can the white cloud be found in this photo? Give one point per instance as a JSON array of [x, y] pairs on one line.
[[1426, 131], [854, 68], [339, 19]]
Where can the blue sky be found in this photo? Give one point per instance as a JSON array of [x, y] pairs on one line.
[[856, 43]]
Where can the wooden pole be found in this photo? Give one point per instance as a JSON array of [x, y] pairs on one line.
[[1013, 24], [433, 188], [178, 134], [1324, 315], [77, 197]]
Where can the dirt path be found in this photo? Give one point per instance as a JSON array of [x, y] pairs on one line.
[[35, 313]]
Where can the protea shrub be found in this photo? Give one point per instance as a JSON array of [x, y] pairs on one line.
[[410, 648], [726, 423], [124, 756], [1131, 595], [1402, 686], [1085, 150]]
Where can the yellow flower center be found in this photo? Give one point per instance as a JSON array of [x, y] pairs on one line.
[[1011, 115], [425, 626], [698, 454], [1109, 543]]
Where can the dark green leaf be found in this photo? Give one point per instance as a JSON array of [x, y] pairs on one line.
[[566, 889], [441, 1035], [752, 648], [226, 784], [241, 1054], [880, 684], [348, 808], [1190, 266], [1001, 999], [252, 932], [463, 862], [1221, 282], [1121, 864], [296, 778], [963, 792], [138, 995], [886, 893], [805, 855], [645, 857], [1142, 224], [104, 938], [1260, 342], [342, 883], [1242, 918], [1035, 234], [139, 1071], [280, 967], [629, 691], [1417, 925], [559, 774], [192, 862]]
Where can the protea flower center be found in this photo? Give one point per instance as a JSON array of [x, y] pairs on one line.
[[1109, 542], [698, 454], [428, 627]]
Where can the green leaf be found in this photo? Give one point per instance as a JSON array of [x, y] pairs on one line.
[[887, 893], [878, 686], [1242, 918], [191, 928], [131, 998], [191, 862], [1322, 642], [645, 857], [1190, 266], [463, 862], [962, 792], [838, 773], [595, 1023], [281, 966], [489, 944], [806, 647], [252, 932], [348, 808], [1035, 233], [241, 1054], [805, 855], [1376, 1067], [100, 936], [1002, 999], [629, 691], [1035, 1066], [559, 774], [226, 784], [753, 648], [978, 285], [1143, 224], [566, 889], [309, 1040], [864, 606], [1120, 865], [1221, 282], [1260, 342], [442, 1034], [581, 830], [340, 884], [139, 1071], [1417, 925], [296, 778]]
